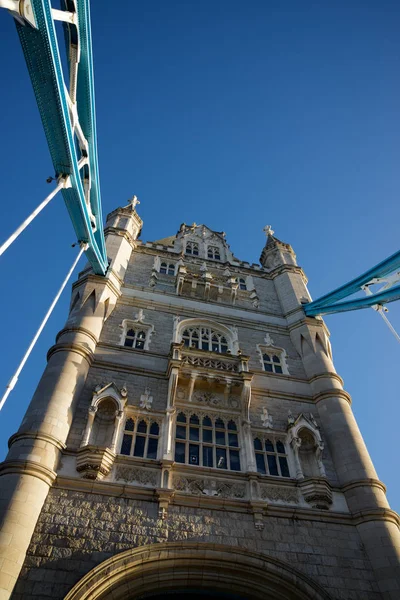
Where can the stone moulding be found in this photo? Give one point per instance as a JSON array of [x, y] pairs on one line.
[[94, 462], [145, 477], [275, 493], [317, 492], [209, 487]]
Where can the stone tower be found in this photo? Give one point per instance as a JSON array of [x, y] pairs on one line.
[[190, 435]]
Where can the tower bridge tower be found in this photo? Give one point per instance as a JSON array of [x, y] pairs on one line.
[[190, 435]]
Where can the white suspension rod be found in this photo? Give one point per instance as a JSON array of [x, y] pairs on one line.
[[29, 219], [13, 381], [388, 323]]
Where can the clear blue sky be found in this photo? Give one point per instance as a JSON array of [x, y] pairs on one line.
[[234, 114]]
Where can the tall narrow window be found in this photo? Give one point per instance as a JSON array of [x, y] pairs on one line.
[[204, 338], [271, 458], [272, 363], [205, 443], [192, 248], [140, 438], [242, 284], [213, 252], [135, 338]]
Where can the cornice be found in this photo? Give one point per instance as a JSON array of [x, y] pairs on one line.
[[287, 269], [351, 485], [28, 467], [78, 330], [36, 435], [328, 374], [377, 514], [334, 393], [97, 279], [102, 364], [76, 348], [121, 233]]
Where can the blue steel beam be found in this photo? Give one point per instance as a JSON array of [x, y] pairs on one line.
[[42, 56], [380, 298], [381, 270]]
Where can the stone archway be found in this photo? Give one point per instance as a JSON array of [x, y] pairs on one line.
[[195, 568]]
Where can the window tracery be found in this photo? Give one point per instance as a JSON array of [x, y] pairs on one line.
[[271, 457], [167, 268], [192, 248], [213, 252], [205, 338], [135, 338], [272, 363], [140, 438], [207, 442]]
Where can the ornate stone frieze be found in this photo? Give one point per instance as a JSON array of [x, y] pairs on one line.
[[210, 363], [209, 487], [94, 462], [274, 493], [146, 477]]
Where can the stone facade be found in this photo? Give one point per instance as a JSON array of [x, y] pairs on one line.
[[189, 406]]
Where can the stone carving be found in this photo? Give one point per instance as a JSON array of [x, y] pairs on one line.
[[268, 230], [207, 398], [210, 363], [290, 418], [313, 421], [269, 340], [146, 477], [266, 419], [275, 493], [146, 400], [209, 487], [139, 317]]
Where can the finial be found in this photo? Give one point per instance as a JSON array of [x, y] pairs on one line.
[[133, 201], [268, 230]]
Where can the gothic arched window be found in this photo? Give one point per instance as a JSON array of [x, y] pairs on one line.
[[205, 338], [192, 248], [167, 269], [272, 363], [207, 443], [135, 338], [271, 458], [242, 284], [213, 252], [140, 438]]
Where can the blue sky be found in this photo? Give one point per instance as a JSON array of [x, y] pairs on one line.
[[235, 115]]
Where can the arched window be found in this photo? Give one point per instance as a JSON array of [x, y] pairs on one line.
[[207, 443], [135, 338], [167, 269], [205, 338], [242, 283], [213, 252], [272, 363], [140, 438], [271, 458], [192, 248]]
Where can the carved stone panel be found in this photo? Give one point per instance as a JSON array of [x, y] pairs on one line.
[[138, 475], [274, 493], [209, 487]]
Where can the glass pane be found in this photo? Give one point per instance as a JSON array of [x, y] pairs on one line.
[[205, 345], [233, 439], [131, 333], [207, 435], [275, 358], [128, 342], [126, 444], [171, 270], [194, 420], [266, 358], [141, 335], [179, 452], [152, 448], [220, 437], [257, 444], [260, 463], [154, 429], [280, 447], [235, 460], [268, 367], [186, 341], [208, 456], [284, 466], [195, 335], [219, 424], [194, 454], [139, 344], [129, 425], [272, 466], [142, 427], [207, 422], [269, 446], [181, 418], [215, 347], [217, 256], [224, 348], [232, 426], [278, 369], [139, 445], [221, 458], [194, 434], [195, 251], [180, 432]]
